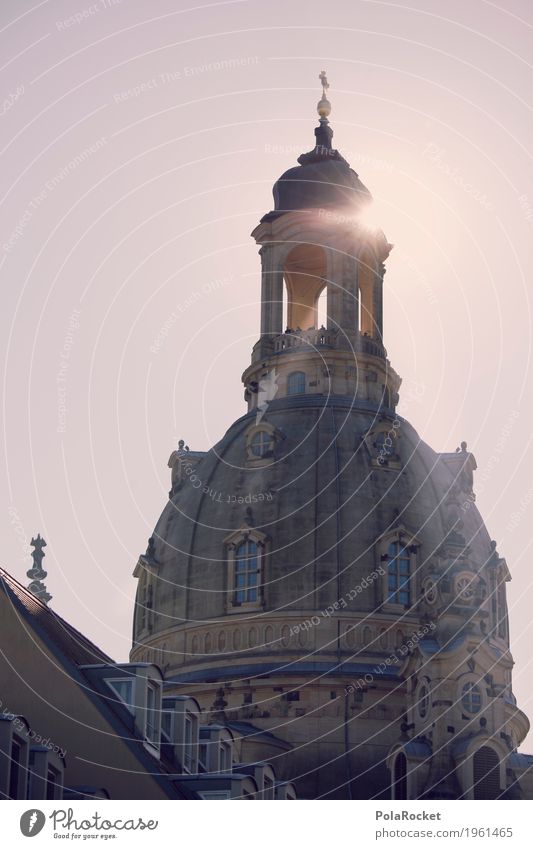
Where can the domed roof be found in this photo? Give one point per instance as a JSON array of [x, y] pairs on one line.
[[321, 181], [322, 503]]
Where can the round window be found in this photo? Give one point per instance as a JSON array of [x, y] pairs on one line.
[[261, 443], [464, 587]]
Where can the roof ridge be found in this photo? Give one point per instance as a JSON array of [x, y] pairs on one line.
[[16, 587]]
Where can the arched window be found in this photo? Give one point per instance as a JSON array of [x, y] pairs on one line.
[[246, 573], [399, 788], [471, 698], [322, 308], [296, 383], [399, 574], [486, 774], [261, 443]]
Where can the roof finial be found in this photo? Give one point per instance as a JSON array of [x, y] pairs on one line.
[[37, 573], [324, 106]]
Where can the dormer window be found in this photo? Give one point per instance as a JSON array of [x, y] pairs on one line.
[[246, 578], [296, 383], [124, 689], [188, 743], [398, 554], [245, 552], [180, 725], [152, 713], [136, 687], [399, 573]]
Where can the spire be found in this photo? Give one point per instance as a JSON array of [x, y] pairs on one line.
[[323, 133], [37, 573]]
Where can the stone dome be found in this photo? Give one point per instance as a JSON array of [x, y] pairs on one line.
[[322, 503], [323, 182]]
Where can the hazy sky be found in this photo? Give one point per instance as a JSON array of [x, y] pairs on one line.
[[139, 144]]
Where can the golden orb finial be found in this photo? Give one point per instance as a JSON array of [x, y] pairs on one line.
[[323, 105]]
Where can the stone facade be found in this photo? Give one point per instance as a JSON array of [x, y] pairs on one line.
[[321, 574]]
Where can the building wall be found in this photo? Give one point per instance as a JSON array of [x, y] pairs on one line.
[[37, 686]]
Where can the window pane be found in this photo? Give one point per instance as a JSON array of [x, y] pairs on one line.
[[124, 690], [296, 383]]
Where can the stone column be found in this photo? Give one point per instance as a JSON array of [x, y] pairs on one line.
[[378, 301], [271, 292], [343, 299]]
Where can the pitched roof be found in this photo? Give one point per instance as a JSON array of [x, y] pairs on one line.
[[70, 642], [76, 650]]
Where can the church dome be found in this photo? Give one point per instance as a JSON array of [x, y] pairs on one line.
[[321, 571], [322, 502], [324, 182]]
